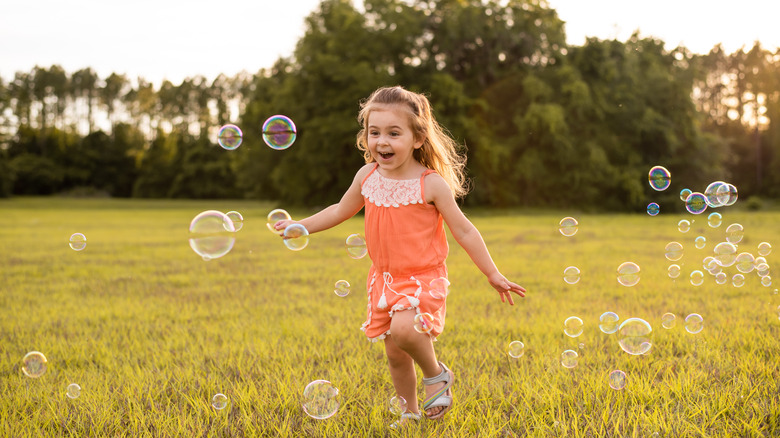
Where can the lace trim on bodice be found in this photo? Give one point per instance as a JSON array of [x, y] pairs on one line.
[[386, 192]]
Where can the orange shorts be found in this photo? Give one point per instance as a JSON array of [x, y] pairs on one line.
[[388, 294]]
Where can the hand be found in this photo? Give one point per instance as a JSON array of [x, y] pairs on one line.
[[504, 287], [282, 224]]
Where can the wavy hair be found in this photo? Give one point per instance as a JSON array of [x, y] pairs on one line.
[[439, 150]]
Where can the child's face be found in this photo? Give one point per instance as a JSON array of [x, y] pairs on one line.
[[391, 140]]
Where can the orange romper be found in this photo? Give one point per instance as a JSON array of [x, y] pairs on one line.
[[408, 247]]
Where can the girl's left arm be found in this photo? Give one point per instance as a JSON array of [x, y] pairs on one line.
[[466, 234]]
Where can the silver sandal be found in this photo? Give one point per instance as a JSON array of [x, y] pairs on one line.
[[406, 418], [443, 397]]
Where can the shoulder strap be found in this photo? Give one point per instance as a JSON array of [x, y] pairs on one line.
[[422, 184], [376, 165]]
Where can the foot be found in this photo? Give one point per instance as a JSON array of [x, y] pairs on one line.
[[438, 394], [431, 390], [406, 419]]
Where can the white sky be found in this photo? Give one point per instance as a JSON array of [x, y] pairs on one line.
[[174, 39]]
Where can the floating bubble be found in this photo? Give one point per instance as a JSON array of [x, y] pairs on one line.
[[766, 281], [572, 326], [73, 391], [700, 242], [734, 233], [608, 322], [568, 226], [77, 241], [635, 336], [219, 401], [423, 322], [668, 320], [745, 262], [653, 209], [659, 178], [714, 199], [238, 220], [569, 358], [697, 278], [674, 271], [275, 216], [296, 237], [738, 280], [714, 220], [439, 288], [729, 193], [212, 234], [571, 274], [34, 364], [674, 251], [581, 345], [762, 269], [764, 249], [684, 193], [516, 349], [725, 254], [341, 288], [230, 137], [684, 226], [617, 380], [356, 246], [694, 323], [320, 399], [711, 265], [279, 132], [721, 278], [398, 405], [696, 203], [628, 274]]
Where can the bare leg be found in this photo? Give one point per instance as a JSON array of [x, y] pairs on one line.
[[403, 373], [417, 346]]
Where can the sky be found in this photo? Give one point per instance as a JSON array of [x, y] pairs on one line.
[[175, 39]]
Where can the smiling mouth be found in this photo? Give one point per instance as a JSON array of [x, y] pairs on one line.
[[386, 155]]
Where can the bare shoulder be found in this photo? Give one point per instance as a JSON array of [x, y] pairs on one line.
[[436, 188], [363, 172]]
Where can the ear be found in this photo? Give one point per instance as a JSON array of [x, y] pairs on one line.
[[418, 142]]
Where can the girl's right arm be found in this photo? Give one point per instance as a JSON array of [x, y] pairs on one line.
[[348, 206]]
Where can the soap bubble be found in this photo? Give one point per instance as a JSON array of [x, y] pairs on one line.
[[296, 237], [700, 242], [617, 380], [721, 278], [320, 399], [762, 269], [694, 323], [439, 288], [275, 216], [568, 226], [731, 190], [341, 288], [659, 178], [725, 254], [230, 137], [714, 199], [569, 358], [711, 265], [212, 234], [516, 349], [745, 262], [571, 274], [738, 280], [684, 193], [674, 271], [73, 391], [279, 132], [764, 249], [34, 364], [628, 274], [714, 219], [674, 251], [766, 281], [697, 278], [635, 336], [77, 241], [219, 401], [696, 203], [238, 220], [684, 226], [356, 246], [572, 326], [668, 320], [423, 322], [734, 233], [608, 322], [653, 209], [398, 405]]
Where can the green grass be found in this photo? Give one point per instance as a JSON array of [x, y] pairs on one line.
[[151, 332]]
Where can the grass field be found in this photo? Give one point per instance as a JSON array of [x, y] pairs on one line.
[[151, 332]]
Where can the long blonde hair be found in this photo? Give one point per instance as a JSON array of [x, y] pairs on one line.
[[439, 150]]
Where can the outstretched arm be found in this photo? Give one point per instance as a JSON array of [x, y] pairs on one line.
[[466, 234], [348, 206]]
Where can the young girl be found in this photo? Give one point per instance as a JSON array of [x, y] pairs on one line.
[[408, 187]]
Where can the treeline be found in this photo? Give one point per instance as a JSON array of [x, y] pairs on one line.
[[543, 123]]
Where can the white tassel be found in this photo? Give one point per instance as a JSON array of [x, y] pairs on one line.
[[413, 301], [382, 304]]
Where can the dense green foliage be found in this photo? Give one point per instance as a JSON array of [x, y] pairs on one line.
[[543, 123], [151, 332]]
